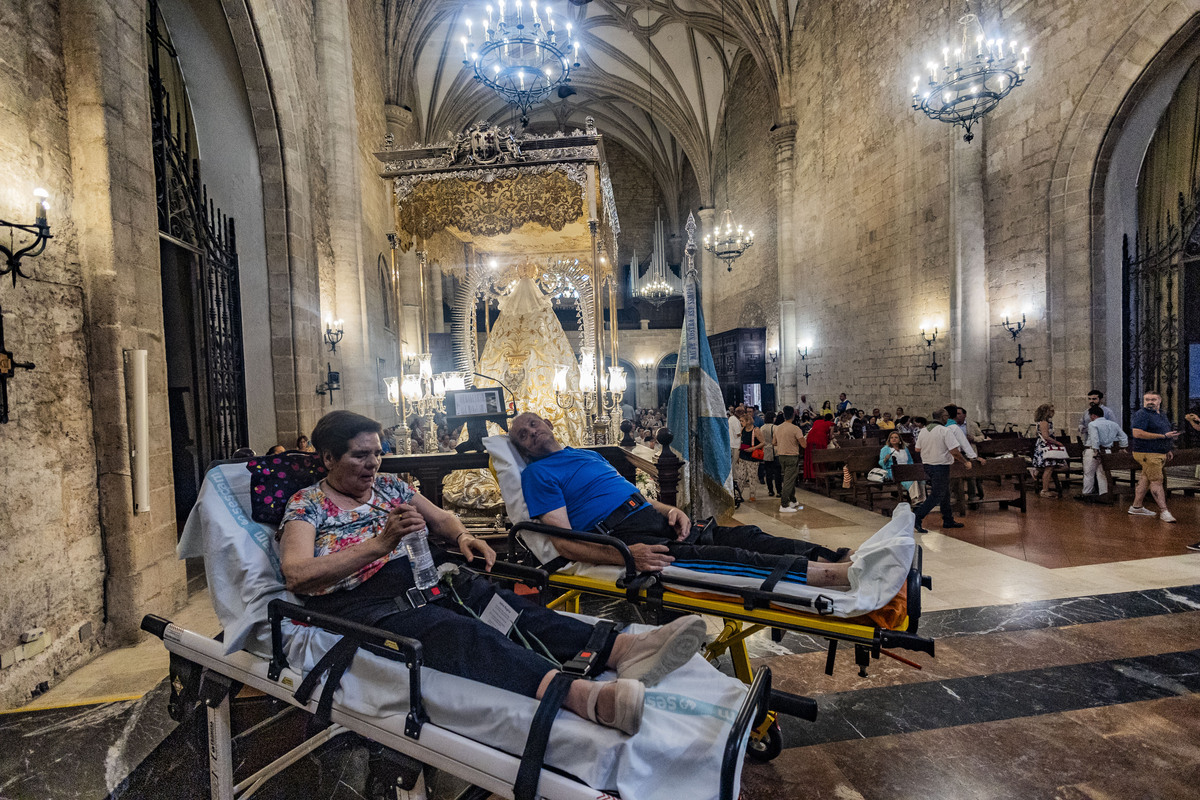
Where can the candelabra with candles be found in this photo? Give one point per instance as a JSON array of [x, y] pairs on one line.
[[521, 56], [1014, 328], [334, 330], [973, 79], [929, 338], [424, 394], [40, 230], [802, 351]]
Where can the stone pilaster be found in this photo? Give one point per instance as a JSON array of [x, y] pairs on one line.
[[969, 308], [784, 139]]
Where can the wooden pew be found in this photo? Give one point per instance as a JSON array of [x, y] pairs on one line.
[[1123, 460], [1013, 467]]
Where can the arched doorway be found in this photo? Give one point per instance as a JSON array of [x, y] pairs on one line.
[[631, 383], [665, 377]]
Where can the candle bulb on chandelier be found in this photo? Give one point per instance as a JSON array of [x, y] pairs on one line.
[[489, 17]]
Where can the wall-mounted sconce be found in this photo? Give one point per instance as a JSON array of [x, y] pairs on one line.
[[8, 369], [934, 365], [40, 230], [646, 364], [333, 382], [1020, 360], [333, 332], [773, 354], [1014, 328], [929, 338], [802, 351]]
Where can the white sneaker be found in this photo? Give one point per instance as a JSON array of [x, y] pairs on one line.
[[795, 504], [787, 510], [1141, 511], [1167, 516]]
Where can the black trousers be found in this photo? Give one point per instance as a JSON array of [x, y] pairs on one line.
[[939, 493], [774, 475], [743, 544], [455, 642]]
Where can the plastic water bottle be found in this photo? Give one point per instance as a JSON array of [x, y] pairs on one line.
[[416, 545]]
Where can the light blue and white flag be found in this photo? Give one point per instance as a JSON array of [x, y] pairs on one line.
[[703, 441]]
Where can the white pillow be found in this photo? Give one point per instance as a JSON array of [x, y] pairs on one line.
[[241, 560], [508, 464]]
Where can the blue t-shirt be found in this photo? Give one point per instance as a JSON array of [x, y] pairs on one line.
[[1151, 422], [582, 480]]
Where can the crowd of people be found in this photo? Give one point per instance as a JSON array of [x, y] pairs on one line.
[[775, 451]]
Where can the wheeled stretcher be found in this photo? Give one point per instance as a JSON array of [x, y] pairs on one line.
[[371, 682], [881, 611]]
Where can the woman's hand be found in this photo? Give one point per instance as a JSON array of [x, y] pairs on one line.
[[403, 520], [471, 546]]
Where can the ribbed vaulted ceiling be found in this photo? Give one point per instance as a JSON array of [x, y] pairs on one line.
[[652, 73]]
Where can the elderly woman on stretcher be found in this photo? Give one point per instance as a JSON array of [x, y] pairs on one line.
[[342, 553]]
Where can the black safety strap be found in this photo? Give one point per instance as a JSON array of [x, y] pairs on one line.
[[335, 661], [584, 663], [782, 568], [528, 774]]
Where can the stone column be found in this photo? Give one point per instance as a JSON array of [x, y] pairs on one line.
[[784, 139], [970, 369], [113, 202], [708, 265], [345, 295], [437, 323]]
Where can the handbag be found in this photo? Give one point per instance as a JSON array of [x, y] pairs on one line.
[[757, 454], [877, 475], [1055, 452]]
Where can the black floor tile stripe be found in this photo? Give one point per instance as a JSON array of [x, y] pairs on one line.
[[886, 711], [1033, 615]]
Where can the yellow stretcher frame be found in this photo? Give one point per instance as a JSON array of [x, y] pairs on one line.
[[744, 613]]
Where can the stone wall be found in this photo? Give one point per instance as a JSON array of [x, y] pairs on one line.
[[637, 196], [871, 217], [747, 296]]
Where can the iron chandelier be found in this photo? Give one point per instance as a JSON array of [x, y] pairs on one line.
[[972, 79], [522, 56]]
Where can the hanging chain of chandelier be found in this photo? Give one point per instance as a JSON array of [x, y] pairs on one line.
[[522, 56], [972, 79], [729, 240]]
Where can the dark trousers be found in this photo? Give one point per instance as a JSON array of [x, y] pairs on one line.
[[456, 643], [790, 466], [939, 493], [774, 476], [743, 544]]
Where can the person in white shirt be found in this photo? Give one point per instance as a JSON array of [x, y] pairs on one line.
[[939, 448], [1102, 435], [956, 418]]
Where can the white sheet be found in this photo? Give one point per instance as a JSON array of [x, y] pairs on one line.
[[878, 570], [686, 721]]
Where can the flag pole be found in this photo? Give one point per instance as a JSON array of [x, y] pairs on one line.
[[690, 304]]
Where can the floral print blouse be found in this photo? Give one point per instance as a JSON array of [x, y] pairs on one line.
[[338, 528]]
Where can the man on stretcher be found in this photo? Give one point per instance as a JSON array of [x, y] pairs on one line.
[[579, 490]]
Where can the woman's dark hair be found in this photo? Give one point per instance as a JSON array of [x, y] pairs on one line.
[[779, 418], [335, 430], [828, 417]]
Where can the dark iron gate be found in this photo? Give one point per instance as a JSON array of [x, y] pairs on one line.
[[188, 218], [1156, 299]]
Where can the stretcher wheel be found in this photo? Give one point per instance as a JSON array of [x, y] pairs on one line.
[[767, 747]]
